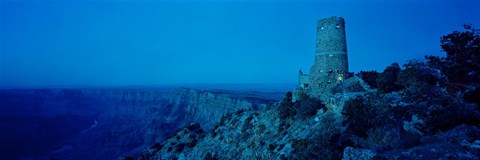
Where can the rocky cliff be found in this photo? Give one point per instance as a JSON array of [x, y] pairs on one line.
[[353, 124], [106, 123]]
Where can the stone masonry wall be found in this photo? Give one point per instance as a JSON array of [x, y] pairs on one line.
[[331, 36], [331, 60]]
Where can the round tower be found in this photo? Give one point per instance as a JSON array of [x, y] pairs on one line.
[[331, 61]]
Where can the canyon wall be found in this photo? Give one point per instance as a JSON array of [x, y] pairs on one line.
[[104, 123]]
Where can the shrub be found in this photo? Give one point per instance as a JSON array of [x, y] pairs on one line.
[[438, 109], [247, 124], [193, 143], [282, 127], [239, 112], [326, 142], [261, 128], [357, 116], [442, 118], [130, 158], [386, 81], [388, 137], [418, 72], [271, 147], [209, 156], [308, 107], [363, 113], [127, 158], [179, 147], [287, 100], [471, 96], [213, 132], [225, 118], [302, 149], [285, 108], [370, 77], [157, 146], [245, 136]]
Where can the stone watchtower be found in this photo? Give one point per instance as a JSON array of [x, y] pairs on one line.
[[331, 61]]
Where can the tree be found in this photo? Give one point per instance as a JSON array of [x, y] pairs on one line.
[[461, 46], [386, 81], [462, 62], [417, 72]]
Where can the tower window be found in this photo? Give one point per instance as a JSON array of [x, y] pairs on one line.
[[340, 78]]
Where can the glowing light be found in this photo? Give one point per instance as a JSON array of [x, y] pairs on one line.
[[340, 78]]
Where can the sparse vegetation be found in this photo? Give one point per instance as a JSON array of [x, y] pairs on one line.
[[179, 147], [370, 77], [271, 147], [325, 143], [286, 108], [157, 146], [363, 113], [261, 129], [209, 156], [308, 107], [247, 125]]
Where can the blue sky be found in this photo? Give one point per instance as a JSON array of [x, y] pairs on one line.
[[69, 42]]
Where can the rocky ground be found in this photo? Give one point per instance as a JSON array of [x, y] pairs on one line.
[[285, 130]]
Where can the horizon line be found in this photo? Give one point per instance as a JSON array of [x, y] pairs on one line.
[[76, 86]]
